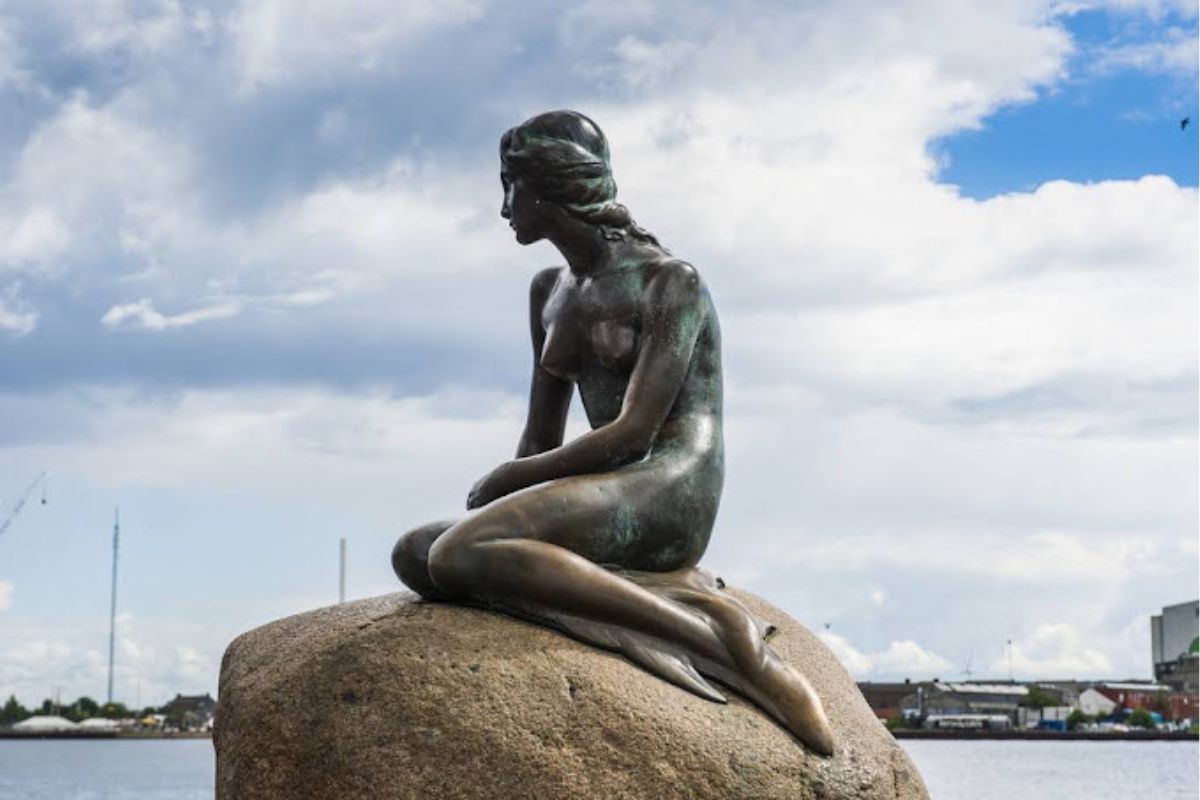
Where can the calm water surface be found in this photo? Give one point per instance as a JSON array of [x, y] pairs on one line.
[[183, 770], [1016, 770], [109, 769]]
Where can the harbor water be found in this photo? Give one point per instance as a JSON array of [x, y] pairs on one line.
[[953, 770], [1067, 770]]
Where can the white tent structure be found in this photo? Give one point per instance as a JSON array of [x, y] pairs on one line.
[[44, 724], [99, 724]]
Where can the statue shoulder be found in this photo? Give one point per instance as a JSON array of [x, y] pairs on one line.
[[542, 284], [675, 281]]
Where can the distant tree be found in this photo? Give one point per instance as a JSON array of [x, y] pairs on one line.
[[148, 711], [114, 711], [13, 711], [1077, 718], [1140, 718], [47, 707], [1040, 698], [83, 708]]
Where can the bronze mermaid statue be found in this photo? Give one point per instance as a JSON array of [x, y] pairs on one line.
[[600, 537]]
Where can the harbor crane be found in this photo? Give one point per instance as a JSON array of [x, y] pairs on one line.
[[23, 499]]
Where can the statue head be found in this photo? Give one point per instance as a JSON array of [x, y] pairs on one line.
[[561, 158]]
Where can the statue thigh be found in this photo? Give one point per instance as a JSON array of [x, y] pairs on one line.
[[613, 519]]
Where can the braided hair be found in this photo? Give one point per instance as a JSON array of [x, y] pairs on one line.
[[563, 157]]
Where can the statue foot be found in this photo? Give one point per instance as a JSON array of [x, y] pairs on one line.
[[750, 667], [781, 692], [650, 653]]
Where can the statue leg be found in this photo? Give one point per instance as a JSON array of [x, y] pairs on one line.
[[538, 551], [537, 554], [410, 558]]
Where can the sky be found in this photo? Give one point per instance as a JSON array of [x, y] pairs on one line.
[[256, 292]]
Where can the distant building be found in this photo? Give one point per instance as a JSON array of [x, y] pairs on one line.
[[1183, 705], [1095, 704], [1175, 645], [1067, 692], [1155, 697], [959, 705], [1134, 695], [941, 699], [191, 712], [884, 698]]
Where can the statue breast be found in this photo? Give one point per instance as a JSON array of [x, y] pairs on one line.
[[614, 343]]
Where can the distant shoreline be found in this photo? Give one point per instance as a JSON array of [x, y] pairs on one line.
[[102, 735], [1032, 735], [1055, 736]]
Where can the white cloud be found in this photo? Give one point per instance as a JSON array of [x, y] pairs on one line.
[[153, 661], [16, 321], [94, 190], [856, 662], [1060, 556], [269, 441], [12, 73], [899, 659], [90, 157], [110, 25], [1176, 53], [278, 42], [38, 236], [6, 595], [407, 211], [194, 667], [1057, 650], [641, 63], [908, 657], [143, 314]]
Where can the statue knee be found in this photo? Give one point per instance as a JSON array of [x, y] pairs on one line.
[[410, 561], [454, 562], [403, 556], [447, 566]]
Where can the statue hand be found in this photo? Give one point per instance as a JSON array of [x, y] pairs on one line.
[[496, 484]]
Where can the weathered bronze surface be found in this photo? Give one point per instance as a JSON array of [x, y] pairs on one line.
[[600, 537]]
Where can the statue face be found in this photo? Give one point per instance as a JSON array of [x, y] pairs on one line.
[[526, 214]]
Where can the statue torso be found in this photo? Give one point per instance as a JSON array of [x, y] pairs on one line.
[[594, 327]]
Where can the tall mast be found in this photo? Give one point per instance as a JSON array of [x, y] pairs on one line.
[[342, 571], [112, 613]]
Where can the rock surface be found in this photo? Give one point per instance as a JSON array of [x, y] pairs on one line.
[[398, 698]]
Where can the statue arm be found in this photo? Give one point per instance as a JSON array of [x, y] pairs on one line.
[[549, 395], [671, 324]]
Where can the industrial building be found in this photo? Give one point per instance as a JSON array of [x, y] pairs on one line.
[[1175, 646], [977, 699]]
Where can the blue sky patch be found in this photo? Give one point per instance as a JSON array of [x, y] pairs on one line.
[[1111, 120]]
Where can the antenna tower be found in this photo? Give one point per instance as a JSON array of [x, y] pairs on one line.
[[112, 612], [342, 571]]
